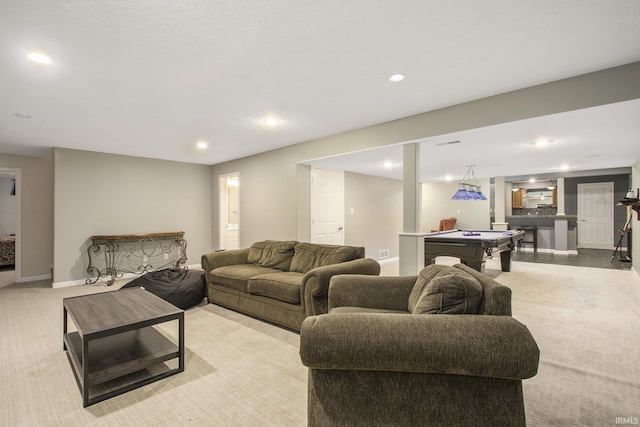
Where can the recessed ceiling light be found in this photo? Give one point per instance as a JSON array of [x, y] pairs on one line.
[[532, 180], [388, 164], [396, 77], [542, 142], [448, 178], [271, 121], [202, 145], [39, 57], [564, 167]]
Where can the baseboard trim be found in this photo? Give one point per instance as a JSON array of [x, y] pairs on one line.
[[550, 251], [34, 278], [565, 252], [106, 279]]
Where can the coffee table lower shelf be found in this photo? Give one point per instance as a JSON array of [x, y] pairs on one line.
[[118, 355]]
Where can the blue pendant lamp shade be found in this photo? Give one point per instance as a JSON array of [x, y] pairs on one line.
[[461, 194], [469, 191]]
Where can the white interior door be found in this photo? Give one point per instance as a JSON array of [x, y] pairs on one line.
[[595, 215], [229, 198], [327, 206]]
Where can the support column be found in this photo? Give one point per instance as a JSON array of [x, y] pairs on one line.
[[560, 196], [411, 240], [560, 225], [411, 190], [499, 204]]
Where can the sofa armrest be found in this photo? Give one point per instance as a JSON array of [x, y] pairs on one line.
[[315, 284], [380, 292], [213, 260], [472, 345]]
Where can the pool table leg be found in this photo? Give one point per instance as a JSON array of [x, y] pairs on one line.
[[505, 260]]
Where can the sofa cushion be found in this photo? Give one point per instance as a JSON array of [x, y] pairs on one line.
[[283, 286], [237, 276], [308, 256], [451, 291], [272, 254], [351, 310]]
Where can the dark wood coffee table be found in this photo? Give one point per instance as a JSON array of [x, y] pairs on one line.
[[115, 337]]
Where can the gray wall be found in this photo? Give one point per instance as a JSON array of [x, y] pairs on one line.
[[621, 184], [437, 204], [267, 196], [106, 194], [36, 187], [377, 213], [274, 185], [274, 189]]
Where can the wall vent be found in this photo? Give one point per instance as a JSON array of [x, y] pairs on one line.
[[384, 253]]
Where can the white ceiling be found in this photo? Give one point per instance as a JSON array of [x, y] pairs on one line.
[[152, 78]]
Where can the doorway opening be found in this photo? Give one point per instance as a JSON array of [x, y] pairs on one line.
[[10, 225], [229, 202]]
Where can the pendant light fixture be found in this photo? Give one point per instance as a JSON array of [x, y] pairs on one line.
[[467, 191]]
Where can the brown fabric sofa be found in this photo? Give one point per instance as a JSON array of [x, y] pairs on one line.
[[282, 282], [372, 362]]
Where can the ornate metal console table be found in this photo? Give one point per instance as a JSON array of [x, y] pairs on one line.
[[135, 253]]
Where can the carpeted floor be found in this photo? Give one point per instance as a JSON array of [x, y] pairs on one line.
[[586, 323], [243, 372], [238, 371]]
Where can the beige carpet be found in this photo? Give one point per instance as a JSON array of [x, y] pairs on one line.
[[238, 371], [587, 324], [243, 372]]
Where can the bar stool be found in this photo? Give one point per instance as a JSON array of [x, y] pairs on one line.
[[534, 238]]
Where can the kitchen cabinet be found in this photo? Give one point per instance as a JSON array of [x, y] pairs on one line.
[[518, 197]]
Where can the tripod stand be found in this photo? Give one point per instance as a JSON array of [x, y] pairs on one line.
[[623, 232]]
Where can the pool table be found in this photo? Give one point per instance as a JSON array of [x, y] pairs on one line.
[[471, 246]]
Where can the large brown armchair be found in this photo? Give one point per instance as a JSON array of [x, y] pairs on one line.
[[372, 362]]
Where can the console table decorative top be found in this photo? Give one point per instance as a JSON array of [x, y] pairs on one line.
[[115, 255]]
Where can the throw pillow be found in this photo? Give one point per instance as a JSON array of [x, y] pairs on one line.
[[425, 276], [450, 292], [272, 254]]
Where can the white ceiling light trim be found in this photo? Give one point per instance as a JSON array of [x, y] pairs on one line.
[[398, 77]]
